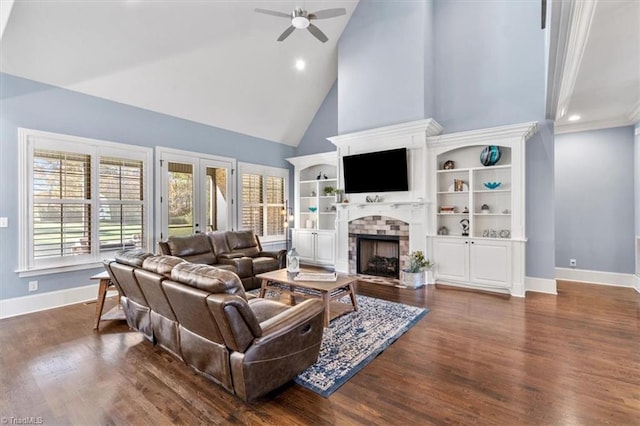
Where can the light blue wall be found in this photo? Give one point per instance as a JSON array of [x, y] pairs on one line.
[[29, 104], [540, 205], [490, 71], [637, 179], [324, 125], [381, 65], [490, 63], [595, 200]]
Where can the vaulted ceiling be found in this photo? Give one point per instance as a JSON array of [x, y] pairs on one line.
[[218, 62]]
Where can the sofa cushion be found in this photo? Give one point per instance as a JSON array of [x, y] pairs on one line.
[[193, 248], [162, 265], [132, 257], [243, 241], [208, 278]]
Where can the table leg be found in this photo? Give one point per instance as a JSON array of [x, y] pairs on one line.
[[102, 293], [327, 313], [263, 288], [352, 294]]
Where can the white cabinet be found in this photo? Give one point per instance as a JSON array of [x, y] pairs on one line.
[[480, 261], [476, 232], [315, 247], [314, 235]]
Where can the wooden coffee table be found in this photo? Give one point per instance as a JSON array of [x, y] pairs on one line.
[[329, 291]]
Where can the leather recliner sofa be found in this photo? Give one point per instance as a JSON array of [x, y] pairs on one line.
[[237, 251], [201, 314]]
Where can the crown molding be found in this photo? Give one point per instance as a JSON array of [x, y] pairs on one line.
[[591, 125], [581, 18], [489, 135], [634, 116], [429, 126]]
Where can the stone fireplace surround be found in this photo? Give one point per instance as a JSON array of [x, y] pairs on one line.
[[378, 225]]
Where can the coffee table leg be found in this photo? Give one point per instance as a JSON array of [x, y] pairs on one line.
[[263, 288], [352, 294], [327, 313]]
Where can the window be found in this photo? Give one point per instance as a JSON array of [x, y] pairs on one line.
[[81, 200], [263, 195]]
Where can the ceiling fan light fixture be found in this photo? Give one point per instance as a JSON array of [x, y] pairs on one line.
[[300, 22]]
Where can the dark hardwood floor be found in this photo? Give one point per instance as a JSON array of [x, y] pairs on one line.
[[570, 359]]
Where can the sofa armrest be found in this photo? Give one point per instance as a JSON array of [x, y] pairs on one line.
[[286, 321], [230, 256], [281, 255], [244, 265]]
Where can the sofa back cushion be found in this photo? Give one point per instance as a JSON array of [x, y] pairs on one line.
[[162, 265], [193, 248], [208, 278], [218, 241], [132, 257], [244, 242]]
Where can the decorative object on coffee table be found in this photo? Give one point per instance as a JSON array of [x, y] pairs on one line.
[[293, 261]]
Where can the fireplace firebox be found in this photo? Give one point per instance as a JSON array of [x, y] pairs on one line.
[[378, 255]]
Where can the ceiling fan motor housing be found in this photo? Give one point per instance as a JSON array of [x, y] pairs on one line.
[[299, 19]]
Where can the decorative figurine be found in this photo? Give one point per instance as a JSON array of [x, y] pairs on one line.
[[443, 230], [464, 223], [466, 209], [325, 176], [319, 176], [449, 165], [485, 208]]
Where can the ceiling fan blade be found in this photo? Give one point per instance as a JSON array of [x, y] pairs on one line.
[[286, 33], [317, 33], [328, 13], [274, 13]]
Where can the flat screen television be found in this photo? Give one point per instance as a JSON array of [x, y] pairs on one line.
[[380, 171]]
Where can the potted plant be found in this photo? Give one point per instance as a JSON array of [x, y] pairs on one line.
[[414, 274], [329, 190], [338, 193]]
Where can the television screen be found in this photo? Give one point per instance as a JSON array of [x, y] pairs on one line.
[[381, 171]]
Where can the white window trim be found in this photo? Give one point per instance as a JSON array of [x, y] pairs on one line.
[[27, 139], [258, 169]]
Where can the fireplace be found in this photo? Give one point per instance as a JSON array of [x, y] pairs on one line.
[[378, 255], [385, 239]]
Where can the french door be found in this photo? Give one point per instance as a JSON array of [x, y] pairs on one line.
[[197, 193]]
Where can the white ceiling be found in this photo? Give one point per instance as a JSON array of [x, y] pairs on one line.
[[212, 62], [217, 62], [604, 87]]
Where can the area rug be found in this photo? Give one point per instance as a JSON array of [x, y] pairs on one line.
[[354, 340]]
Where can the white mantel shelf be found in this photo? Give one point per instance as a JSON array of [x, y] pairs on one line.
[[391, 204]]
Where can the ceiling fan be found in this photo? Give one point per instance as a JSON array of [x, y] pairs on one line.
[[301, 19]]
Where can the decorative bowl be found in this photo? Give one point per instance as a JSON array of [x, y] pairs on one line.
[[492, 185], [313, 209]]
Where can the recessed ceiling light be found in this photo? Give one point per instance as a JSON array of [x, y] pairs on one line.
[[574, 117], [300, 64]]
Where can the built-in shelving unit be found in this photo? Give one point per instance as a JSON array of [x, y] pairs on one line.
[[315, 211], [477, 232]]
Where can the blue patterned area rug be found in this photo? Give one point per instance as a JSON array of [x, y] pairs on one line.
[[354, 340]]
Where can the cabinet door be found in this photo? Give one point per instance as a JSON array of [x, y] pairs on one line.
[[304, 243], [490, 262], [325, 248], [451, 259]]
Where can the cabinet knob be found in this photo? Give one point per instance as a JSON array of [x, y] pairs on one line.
[[473, 242]]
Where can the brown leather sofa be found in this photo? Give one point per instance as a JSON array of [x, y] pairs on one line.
[[201, 314], [237, 251]]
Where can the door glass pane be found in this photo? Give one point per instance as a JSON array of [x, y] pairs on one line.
[[217, 202], [180, 199]]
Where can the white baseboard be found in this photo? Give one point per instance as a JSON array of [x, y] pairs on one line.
[[43, 301], [595, 277], [540, 285], [636, 284]]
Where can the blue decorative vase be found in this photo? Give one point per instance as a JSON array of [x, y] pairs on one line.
[[490, 155]]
